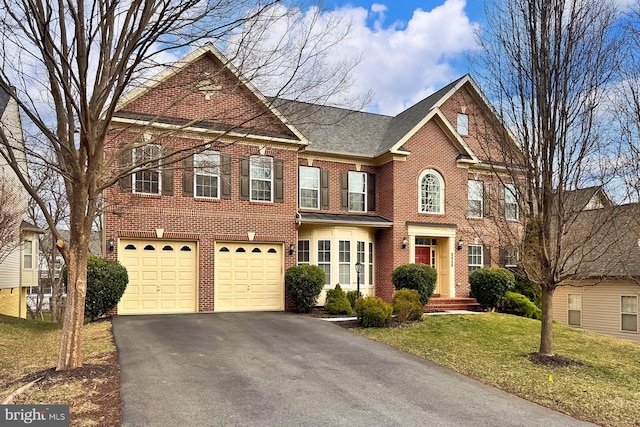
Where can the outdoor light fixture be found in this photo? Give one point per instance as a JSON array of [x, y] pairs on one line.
[[460, 243], [292, 249], [111, 243], [358, 270], [404, 243]]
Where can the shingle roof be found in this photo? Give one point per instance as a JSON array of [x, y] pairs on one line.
[[331, 218], [605, 242], [341, 131]]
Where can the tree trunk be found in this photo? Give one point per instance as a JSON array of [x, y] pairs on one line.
[[70, 355], [546, 333]]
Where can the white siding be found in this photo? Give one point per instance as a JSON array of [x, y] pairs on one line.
[[600, 306]]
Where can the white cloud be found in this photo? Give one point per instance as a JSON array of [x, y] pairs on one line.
[[404, 62]]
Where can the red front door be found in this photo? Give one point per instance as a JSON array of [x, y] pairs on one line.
[[423, 255]]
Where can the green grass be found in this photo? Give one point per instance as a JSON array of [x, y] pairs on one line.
[[492, 348]]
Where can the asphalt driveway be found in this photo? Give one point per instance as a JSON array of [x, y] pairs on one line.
[[282, 369]]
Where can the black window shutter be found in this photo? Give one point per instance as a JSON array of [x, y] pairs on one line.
[[344, 191], [244, 178], [225, 176], [486, 256], [324, 189], [502, 257], [486, 200], [371, 192], [501, 205], [126, 159], [278, 195], [167, 174], [187, 177]]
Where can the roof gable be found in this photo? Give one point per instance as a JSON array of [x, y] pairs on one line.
[[205, 91]]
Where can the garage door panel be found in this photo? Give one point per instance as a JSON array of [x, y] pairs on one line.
[[248, 280], [161, 280]]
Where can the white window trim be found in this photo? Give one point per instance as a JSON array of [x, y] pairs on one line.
[[364, 273], [251, 178], [158, 169], [364, 192], [636, 314], [569, 309], [481, 199], [442, 192], [516, 256], [463, 131], [318, 263], [481, 257], [371, 264], [300, 188], [347, 263], [510, 189], [197, 171], [29, 254]]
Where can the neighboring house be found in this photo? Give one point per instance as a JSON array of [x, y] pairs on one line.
[[19, 264], [606, 300], [289, 183]]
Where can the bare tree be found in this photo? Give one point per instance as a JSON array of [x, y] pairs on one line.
[[10, 218], [546, 65], [72, 61]]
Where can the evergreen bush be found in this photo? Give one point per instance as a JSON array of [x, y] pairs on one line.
[[420, 277], [372, 312], [489, 285], [106, 281], [337, 302], [406, 305], [303, 284], [520, 305]]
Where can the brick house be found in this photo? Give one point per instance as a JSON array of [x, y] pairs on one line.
[[258, 185]]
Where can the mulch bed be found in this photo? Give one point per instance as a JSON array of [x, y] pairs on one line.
[[348, 324], [554, 361]]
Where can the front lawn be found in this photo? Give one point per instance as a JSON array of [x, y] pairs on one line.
[[29, 350], [493, 348]]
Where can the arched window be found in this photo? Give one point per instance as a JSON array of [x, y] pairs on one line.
[[431, 192]]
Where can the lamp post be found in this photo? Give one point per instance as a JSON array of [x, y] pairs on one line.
[[358, 270]]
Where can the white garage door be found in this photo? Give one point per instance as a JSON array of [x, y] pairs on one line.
[[162, 276], [249, 277]]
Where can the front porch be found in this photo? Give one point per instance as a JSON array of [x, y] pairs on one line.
[[441, 304]]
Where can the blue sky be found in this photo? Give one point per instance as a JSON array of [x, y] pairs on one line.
[[409, 48]]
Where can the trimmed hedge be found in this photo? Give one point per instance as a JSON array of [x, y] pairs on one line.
[[372, 312], [420, 277], [489, 285], [337, 302], [303, 284], [406, 305], [106, 281], [520, 305], [352, 296]]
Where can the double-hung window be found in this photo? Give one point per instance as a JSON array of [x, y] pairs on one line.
[[629, 313], [360, 258], [371, 263], [357, 191], [309, 187], [475, 193], [324, 259], [510, 202], [303, 252], [261, 179], [475, 258], [146, 179], [206, 174], [27, 254], [574, 309], [344, 262]]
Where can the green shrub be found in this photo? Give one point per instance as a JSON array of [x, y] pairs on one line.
[[352, 296], [106, 281], [420, 277], [372, 312], [520, 305], [303, 284], [488, 286], [337, 302], [406, 305], [528, 288]]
